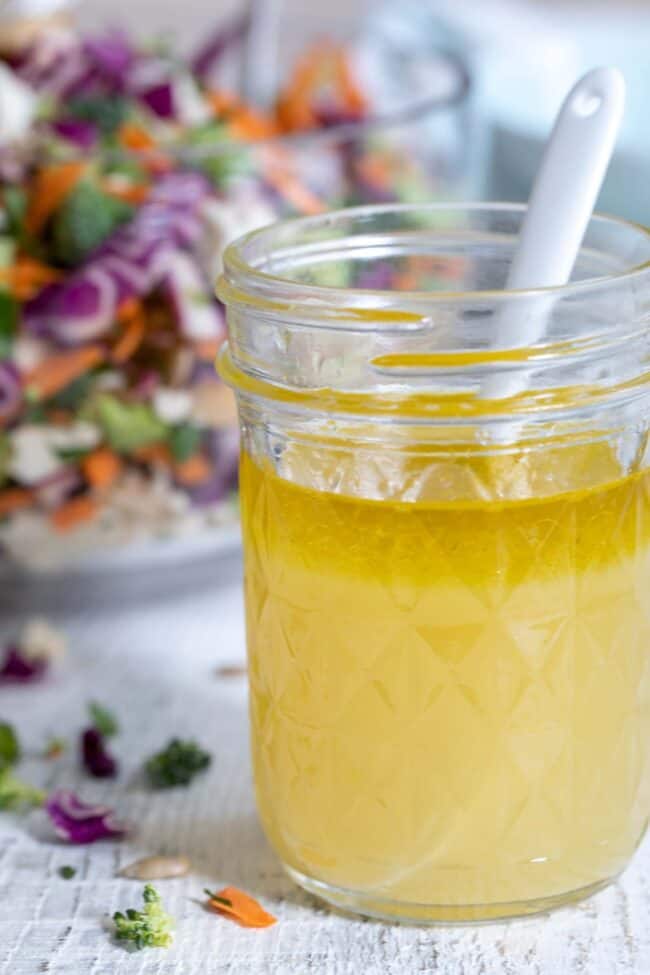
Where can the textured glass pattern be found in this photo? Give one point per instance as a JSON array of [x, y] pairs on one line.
[[450, 702]]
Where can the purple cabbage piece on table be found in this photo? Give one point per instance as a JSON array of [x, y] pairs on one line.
[[16, 668], [96, 759], [10, 390], [79, 822], [130, 263]]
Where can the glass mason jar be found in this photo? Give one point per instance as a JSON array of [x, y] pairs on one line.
[[447, 558]]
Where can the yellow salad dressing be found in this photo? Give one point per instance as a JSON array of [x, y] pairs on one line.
[[450, 700]]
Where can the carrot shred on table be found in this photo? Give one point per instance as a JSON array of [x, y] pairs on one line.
[[194, 470], [57, 372], [239, 906], [101, 468], [132, 335], [14, 499], [74, 512], [50, 188]]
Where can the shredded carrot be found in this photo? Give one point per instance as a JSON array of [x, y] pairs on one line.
[[136, 139], [14, 499], [59, 417], [154, 453], [59, 371], [127, 310], [101, 468], [375, 170], [132, 136], [248, 125], [131, 337], [222, 102], [194, 470], [242, 908], [323, 74], [207, 349], [135, 193], [278, 173], [51, 186], [352, 94], [27, 276], [74, 512]]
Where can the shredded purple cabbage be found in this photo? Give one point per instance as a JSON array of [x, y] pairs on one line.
[[57, 488], [378, 277], [130, 263], [159, 99], [77, 131], [222, 447], [112, 55], [79, 822], [95, 756], [213, 49], [16, 668], [10, 390]]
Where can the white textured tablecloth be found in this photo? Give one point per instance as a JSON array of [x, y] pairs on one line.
[[155, 664]]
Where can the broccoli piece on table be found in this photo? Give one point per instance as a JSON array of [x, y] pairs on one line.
[[16, 794], [177, 764], [148, 928], [103, 720], [9, 747]]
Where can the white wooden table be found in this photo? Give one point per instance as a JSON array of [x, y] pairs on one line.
[[155, 664]]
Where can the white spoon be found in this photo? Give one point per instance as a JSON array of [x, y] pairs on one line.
[[567, 185]]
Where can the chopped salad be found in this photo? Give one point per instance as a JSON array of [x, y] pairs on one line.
[[123, 174]]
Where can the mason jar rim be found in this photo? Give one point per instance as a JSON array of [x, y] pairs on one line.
[[242, 278]]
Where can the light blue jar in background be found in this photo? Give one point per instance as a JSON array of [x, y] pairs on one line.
[[526, 56]]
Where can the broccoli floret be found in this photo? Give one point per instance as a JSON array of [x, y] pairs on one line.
[[14, 793], [184, 440], [149, 928], [8, 322], [106, 113], [219, 157], [177, 764], [103, 720], [127, 426], [9, 747], [85, 218]]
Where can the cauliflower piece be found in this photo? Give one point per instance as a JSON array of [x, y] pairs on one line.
[[172, 405], [40, 640], [32, 455]]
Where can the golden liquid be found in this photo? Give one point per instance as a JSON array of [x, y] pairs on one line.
[[450, 702]]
